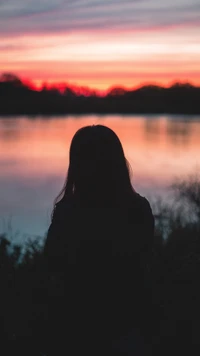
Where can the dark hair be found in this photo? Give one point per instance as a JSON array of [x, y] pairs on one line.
[[98, 170]]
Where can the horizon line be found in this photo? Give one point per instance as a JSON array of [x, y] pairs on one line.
[[38, 85]]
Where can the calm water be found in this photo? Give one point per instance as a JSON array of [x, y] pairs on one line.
[[34, 160]]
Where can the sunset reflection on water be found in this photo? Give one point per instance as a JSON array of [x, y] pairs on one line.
[[34, 159]]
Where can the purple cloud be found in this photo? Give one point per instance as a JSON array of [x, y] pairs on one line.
[[47, 16]]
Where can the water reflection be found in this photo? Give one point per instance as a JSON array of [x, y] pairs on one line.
[[152, 128], [9, 129], [179, 132], [34, 159]]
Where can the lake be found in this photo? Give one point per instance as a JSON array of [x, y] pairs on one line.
[[34, 161]]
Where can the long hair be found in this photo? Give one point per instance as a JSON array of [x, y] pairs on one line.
[[98, 170]]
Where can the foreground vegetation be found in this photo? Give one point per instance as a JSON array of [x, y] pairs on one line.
[[174, 275]]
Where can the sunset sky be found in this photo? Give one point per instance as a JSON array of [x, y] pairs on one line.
[[101, 43]]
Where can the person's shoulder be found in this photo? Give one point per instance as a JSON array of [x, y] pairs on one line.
[[62, 209], [141, 203], [136, 197]]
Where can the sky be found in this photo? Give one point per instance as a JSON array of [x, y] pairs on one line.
[[101, 43]]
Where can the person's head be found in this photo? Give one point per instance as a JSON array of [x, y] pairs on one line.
[[98, 170]]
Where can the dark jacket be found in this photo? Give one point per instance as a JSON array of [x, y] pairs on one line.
[[98, 260]]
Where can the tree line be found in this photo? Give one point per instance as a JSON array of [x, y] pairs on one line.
[[20, 98]]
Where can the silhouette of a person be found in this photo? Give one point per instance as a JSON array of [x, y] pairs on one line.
[[97, 249]]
